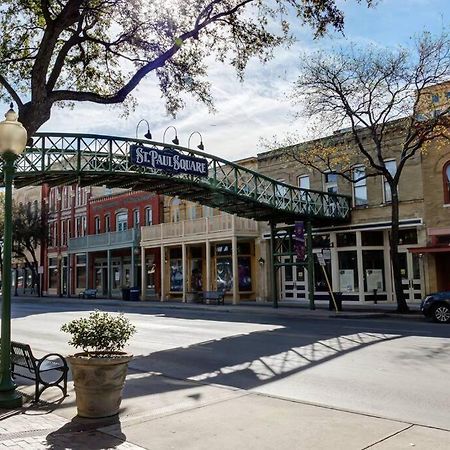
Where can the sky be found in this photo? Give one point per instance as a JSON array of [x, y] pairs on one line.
[[257, 108]]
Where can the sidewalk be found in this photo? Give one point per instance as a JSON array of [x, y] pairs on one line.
[[350, 310], [162, 412], [191, 416]]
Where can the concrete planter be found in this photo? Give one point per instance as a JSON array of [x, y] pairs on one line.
[[98, 382]]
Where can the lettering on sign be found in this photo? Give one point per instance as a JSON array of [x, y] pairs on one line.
[[168, 160]]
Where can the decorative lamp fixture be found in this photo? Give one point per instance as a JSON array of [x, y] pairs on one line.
[[13, 136], [200, 146], [13, 139], [147, 135], [261, 261], [175, 141]]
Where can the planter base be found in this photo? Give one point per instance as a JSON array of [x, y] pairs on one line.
[[98, 383]]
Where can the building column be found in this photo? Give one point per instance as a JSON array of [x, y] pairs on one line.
[[208, 286], [360, 268], [163, 268], [310, 262], [109, 275], [234, 259], [133, 271], [143, 275], [273, 267], [184, 270], [87, 270]]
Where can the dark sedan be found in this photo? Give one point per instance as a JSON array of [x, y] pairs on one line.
[[437, 306]]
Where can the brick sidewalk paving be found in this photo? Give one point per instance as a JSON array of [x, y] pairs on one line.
[[39, 429]]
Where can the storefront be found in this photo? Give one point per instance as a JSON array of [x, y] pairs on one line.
[[357, 263]]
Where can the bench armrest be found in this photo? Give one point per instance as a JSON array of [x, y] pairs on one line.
[[41, 363]]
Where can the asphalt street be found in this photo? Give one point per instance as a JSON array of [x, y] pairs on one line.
[[390, 368]]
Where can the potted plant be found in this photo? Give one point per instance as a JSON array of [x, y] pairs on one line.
[[99, 371]]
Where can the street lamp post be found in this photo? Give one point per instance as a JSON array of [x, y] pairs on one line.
[[13, 138]]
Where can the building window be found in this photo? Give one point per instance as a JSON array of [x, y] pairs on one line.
[[207, 211], [303, 182], [136, 218], [80, 271], [391, 167], [331, 182], [348, 271], [192, 212], [176, 270], [359, 186], [52, 273], [346, 239], [107, 223], [83, 226], [149, 216], [446, 176], [224, 267], [122, 221], [373, 266], [175, 215], [97, 225], [435, 98], [64, 233]]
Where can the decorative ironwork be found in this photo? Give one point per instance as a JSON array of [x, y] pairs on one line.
[[62, 158]]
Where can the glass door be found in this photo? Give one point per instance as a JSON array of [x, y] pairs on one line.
[[292, 282], [411, 277]]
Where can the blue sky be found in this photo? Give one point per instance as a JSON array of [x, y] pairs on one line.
[[258, 108]]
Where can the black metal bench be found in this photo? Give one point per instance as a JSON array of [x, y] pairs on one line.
[[88, 293], [213, 296], [37, 369]]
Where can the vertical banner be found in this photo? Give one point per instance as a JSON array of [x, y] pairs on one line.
[[299, 241]]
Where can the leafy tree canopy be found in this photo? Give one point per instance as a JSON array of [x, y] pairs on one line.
[[57, 51]]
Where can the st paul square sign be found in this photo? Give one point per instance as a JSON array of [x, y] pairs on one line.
[[168, 160]]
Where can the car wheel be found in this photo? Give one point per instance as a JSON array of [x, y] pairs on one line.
[[441, 313]]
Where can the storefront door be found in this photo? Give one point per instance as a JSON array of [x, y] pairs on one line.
[[410, 271], [292, 283]]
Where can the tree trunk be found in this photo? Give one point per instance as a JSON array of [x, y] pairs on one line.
[[402, 306]]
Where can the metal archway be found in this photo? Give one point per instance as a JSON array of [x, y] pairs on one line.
[[89, 159]]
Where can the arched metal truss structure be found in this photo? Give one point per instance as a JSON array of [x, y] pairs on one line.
[[64, 158]]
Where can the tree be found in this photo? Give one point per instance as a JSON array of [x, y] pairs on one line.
[[29, 232], [54, 52], [381, 96]]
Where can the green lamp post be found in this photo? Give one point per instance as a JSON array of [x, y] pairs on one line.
[[13, 139]]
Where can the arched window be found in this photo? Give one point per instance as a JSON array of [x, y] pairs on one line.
[[446, 176]]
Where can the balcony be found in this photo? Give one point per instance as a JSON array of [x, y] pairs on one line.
[[224, 225], [105, 241]]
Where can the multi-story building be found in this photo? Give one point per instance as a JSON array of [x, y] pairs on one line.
[[357, 254], [106, 255]]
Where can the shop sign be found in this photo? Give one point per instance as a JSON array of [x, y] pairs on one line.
[[321, 259], [168, 160]]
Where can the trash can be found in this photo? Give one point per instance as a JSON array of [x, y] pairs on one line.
[[338, 299], [133, 295], [126, 294]]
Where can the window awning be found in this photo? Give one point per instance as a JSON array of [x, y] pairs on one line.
[[435, 249]]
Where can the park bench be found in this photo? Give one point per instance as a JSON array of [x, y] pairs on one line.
[[40, 370], [88, 293], [213, 296]]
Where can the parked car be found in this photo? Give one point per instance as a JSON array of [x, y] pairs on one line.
[[437, 306]]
